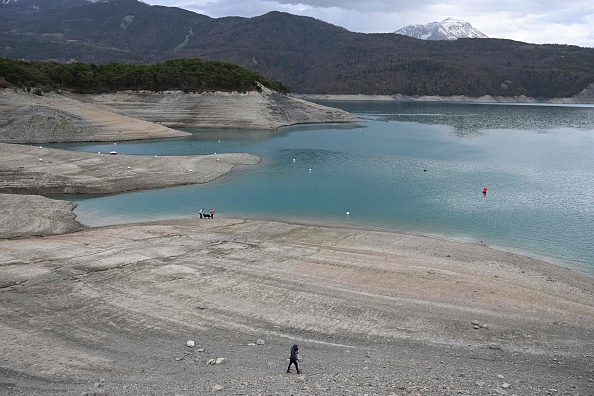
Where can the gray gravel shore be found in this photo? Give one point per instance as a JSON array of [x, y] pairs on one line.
[[109, 311]]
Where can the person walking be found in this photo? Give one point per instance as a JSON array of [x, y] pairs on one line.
[[212, 213], [200, 212], [294, 358]]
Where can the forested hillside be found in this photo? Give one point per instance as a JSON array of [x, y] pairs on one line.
[[308, 55], [189, 75]]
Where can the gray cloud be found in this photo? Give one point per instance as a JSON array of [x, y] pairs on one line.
[[535, 21]]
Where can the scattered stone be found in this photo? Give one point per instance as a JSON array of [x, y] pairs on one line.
[[494, 346], [301, 378], [190, 344], [216, 361], [260, 342], [500, 376], [431, 271], [506, 385], [217, 388]]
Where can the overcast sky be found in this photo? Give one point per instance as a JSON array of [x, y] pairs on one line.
[[532, 21]]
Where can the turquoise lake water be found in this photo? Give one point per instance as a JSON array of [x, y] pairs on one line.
[[419, 167]]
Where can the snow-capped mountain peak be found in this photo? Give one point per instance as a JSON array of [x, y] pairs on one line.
[[448, 29]]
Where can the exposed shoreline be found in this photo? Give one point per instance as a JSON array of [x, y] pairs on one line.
[[27, 118], [108, 310], [381, 312], [302, 221], [584, 97]]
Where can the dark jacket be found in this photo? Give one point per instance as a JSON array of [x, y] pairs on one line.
[[294, 353]]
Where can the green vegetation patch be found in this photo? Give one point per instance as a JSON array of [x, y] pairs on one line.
[[188, 75]]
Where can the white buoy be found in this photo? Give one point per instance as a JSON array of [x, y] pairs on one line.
[[310, 169], [293, 159], [129, 168], [190, 344], [217, 160], [348, 213]]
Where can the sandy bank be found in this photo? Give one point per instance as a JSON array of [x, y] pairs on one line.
[[39, 170], [109, 310], [26, 170], [68, 117], [33, 215], [30, 118], [251, 110], [53, 117]]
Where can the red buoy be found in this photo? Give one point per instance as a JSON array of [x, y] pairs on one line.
[[485, 190]]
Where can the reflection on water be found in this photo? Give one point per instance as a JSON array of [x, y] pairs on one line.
[[469, 120], [413, 166]]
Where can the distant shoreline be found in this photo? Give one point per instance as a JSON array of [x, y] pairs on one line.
[[586, 97]]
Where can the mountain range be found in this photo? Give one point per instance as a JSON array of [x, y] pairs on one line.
[[448, 29], [307, 54]]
